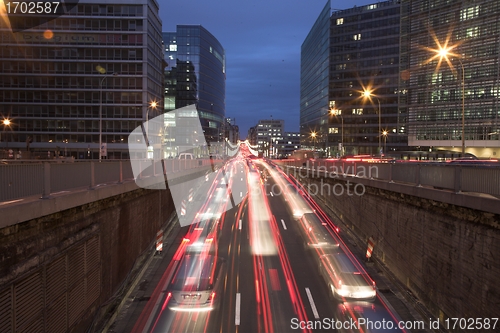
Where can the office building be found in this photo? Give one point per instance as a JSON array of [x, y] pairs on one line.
[[195, 75], [97, 69], [452, 99], [287, 145], [268, 133], [349, 81]]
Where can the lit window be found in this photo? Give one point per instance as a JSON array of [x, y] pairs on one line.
[[172, 47], [472, 32], [374, 6], [333, 130], [357, 37], [340, 21], [469, 13]]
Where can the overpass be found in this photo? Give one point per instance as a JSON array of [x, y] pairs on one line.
[[70, 233]]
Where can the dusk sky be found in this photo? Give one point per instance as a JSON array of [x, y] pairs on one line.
[[262, 39]]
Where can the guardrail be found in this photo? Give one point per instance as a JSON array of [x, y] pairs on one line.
[[20, 180], [458, 178]]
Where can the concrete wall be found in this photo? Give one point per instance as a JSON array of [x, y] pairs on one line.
[[57, 269], [447, 255]]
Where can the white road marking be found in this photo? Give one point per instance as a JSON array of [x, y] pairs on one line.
[[271, 193], [239, 225], [241, 194], [237, 315], [313, 306], [283, 223]]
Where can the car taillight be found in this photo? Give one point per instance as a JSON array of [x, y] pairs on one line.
[[211, 297]]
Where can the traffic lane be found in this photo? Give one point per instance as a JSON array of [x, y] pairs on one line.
[[335, 309], [257, 297], [313, 289]]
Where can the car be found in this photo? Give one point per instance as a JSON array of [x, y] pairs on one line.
[[344, 280], [316, 234], [186, 156], [197, 283]]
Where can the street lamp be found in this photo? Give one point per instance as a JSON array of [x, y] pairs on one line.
[[443, 53], [313, 136], [100, 113], [336, 112], [368, 94], [385, 133], [6, 123]]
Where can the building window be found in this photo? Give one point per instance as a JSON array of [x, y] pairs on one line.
[[469, 13], [333, 130], [357, 37], [340, 21]]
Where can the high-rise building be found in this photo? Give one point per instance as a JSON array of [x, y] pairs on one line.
[[350, 79], [269, 132], [91, 75], [452, 98], [287, 145], [196, 74]]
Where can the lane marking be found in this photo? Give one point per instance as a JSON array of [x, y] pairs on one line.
[[241, 194], [313, 306], [239, 225], [283, 223], [271, 193], [237, 315]]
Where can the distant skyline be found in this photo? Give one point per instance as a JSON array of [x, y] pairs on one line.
[[262, 39]]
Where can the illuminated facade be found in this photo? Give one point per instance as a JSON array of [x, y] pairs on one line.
[[196, 74], [346, 53], [52, 77], [435, 101]]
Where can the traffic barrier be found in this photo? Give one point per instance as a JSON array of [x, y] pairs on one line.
[[190, 198], [183, 208], [369, 251], [159, 241]]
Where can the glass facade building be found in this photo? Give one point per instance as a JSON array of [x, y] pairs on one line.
[[314, 78], [196, 74], [346, 53], [458, 94], [57, 77]]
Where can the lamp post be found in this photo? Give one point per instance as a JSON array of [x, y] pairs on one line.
[[385, 133], [368, 94], [336, 112], [313, 136], [443, 53], [6, 123], [100, 112]]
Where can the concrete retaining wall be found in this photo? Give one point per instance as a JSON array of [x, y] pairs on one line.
[[56, 270]]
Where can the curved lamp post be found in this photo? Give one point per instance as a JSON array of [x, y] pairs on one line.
[[368, 94], [443, 53]]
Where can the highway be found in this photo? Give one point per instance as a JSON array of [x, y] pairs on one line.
[[244, 266]]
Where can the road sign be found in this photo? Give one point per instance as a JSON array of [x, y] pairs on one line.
[[104, 149]]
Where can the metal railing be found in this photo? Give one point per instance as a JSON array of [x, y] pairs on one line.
[[444, 176], [22, 179]]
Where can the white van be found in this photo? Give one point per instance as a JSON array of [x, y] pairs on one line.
[[186, 156]]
